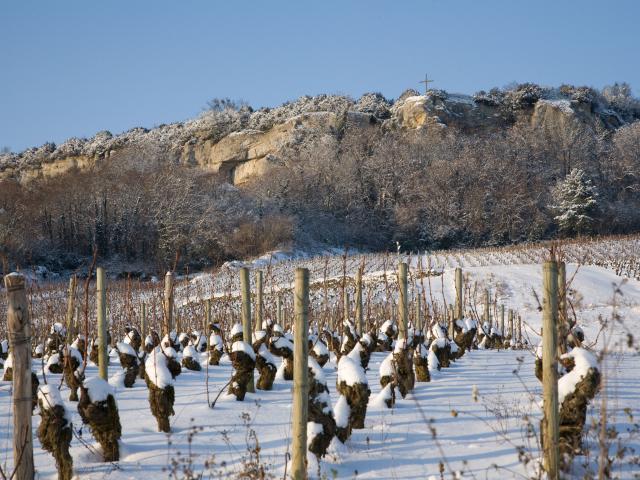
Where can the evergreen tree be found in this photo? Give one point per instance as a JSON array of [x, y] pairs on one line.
[[576, 203]]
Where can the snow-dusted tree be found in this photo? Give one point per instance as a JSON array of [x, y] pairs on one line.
[[576, 203]]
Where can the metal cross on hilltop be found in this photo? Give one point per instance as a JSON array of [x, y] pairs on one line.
[[426, 82]]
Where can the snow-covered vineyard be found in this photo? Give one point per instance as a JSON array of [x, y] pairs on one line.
[[455, 395]]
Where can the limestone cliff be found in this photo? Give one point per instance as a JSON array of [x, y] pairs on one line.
[[242, 144]]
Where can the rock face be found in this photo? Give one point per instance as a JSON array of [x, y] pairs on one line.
[[244, 144]]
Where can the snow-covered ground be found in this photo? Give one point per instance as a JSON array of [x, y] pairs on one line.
[[471, 417]]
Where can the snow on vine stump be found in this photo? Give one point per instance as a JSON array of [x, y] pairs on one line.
[[331, 339], [258, 339], [56, 338], [73, 373], [7, 376], [80, 344], [172, 361], [388, 382], [402, 356], [366, 345], [342, 412], [54, 364], [440, 346], [360, 355], [421, 363], [161, 391], [575, 337], [55, 431], [243, 359], [170, 340], [98, 409], [319, 350], [190, 359], [129, 362], [132, 337], [95, 348], [38, 352], [199, 341], [349, 337], [4, 351], [183, 341], [151, 341], [267, 367], [386, 335], [575, 389], [216, 346], [283, 347], [321, 426], [465, 330], [236, 333], [352, 383]]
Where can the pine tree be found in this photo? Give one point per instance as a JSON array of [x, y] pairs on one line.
[[576, 203]]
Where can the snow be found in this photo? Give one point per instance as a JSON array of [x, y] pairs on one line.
[[381, 398], [52, 360], [320, 348], [8, 363], [98, 389], [341, 412], [216, 340], [318, 373], [235, 330], [350, 372], [584, 360], [386, 366], [50, 396], [267, 355], [156, 369], [190, 351], [126, 349], [259, 335], [243, 347], [282, 342]]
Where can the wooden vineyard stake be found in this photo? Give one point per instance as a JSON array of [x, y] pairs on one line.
[[550, 420], [245, 290], [19, 326], [300, 376]]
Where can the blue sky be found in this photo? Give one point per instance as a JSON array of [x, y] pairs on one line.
[[72, 68]]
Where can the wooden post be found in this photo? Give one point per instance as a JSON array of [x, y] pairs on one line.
[[279, 309], [502, 332], [259, 300], [550, 369], [207, 318], [403, 309], [300, 376], [459, 303], [19, 327], [168, 302], [359, 312], [563, 321], [346, 308], [71, 297], [418, 314], [245, 290], [519, 330], [511, 332], [487, 315], [143, 322], [101, 292]]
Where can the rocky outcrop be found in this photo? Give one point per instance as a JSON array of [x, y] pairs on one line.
[[244, 144]]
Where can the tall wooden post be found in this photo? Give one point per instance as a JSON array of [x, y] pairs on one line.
[[19, 327], [403, 308], [418, 314], [207, 318], [71, 297], [101, 292], [511, 332], [487, 303], [168, 302], [502, 332], [563, 321], [300, 376], [259, 300], [245, 290], [550, 369], [519, 330], [359, 311], [459, 303], [279, 309], [143, 321]]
